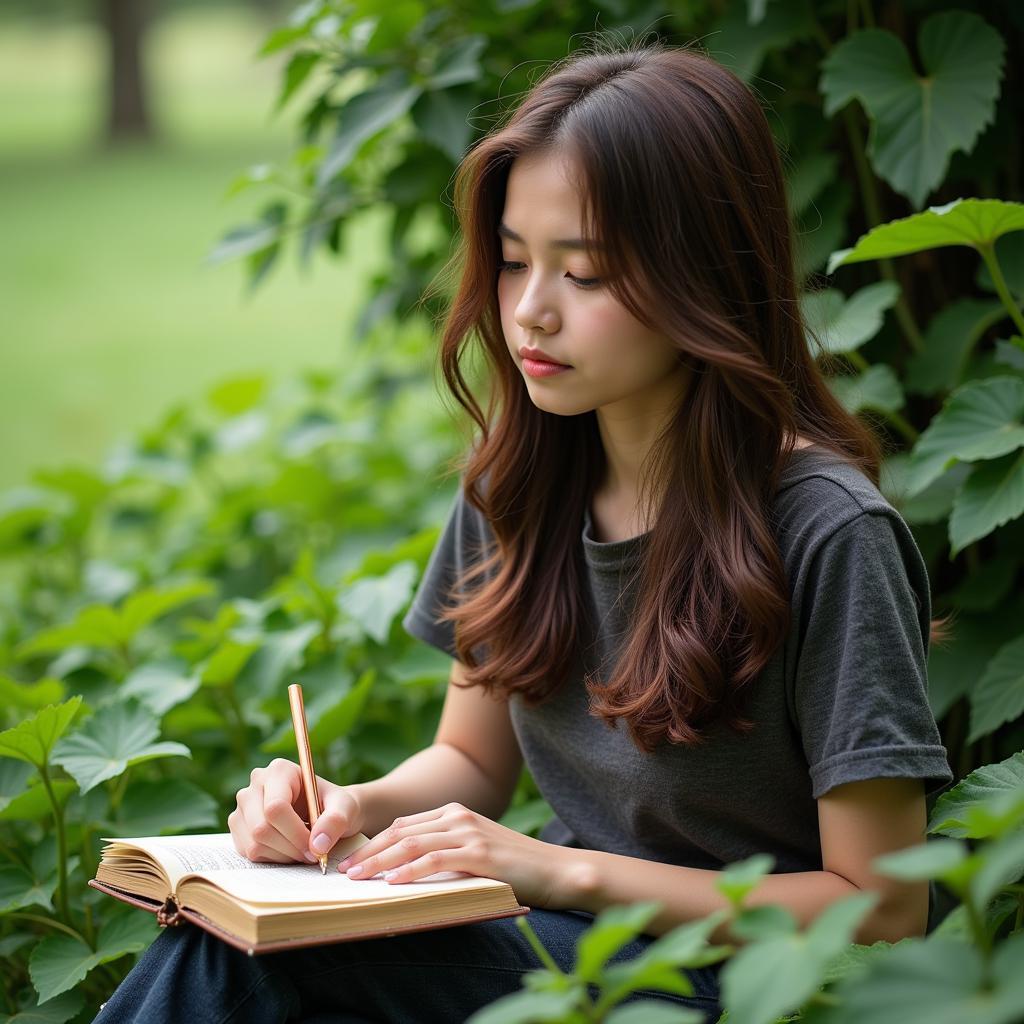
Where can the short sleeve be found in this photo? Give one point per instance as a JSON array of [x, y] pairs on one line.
[[463, 540], [860, 692]]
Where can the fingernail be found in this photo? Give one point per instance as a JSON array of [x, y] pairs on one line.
[[309, 856], [355, 872], [322, 843], [388, 875], [345, 863]]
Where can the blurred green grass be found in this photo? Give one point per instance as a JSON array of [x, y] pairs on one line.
[[109, 313]]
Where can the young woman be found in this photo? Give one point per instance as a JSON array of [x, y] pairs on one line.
[[668, 582]]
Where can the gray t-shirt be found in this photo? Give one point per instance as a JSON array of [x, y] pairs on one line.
[[844, 698]]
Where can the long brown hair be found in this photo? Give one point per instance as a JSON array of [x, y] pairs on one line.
[[682, 187]]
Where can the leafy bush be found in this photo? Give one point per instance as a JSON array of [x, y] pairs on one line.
[[154, 609]]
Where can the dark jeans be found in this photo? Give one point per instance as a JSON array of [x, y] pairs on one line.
[[441, 976]]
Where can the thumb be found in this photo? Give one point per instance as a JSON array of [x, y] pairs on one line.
[[340, 818]]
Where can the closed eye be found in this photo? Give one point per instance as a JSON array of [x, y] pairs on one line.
[[585, 283]]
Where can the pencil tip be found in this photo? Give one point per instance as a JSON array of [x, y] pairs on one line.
[[323, 865]]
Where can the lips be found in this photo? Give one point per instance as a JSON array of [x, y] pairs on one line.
[[538, 355]]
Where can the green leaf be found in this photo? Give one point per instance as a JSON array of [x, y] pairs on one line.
[[139, 610], [163, 807], [999, 695], [160, 686], [611, 930], [223, 666], [34, 803], [56, 1011], [33, 739], [843, 325], [116, 737], [280, 652], [1002, 863], [917, 123], [363, 116], [982, 786], [459, 63], [774, 976], [375, 602], [763, 923], [60, 962], [973, 222], [980, 420], [443, 120], [527, 1008], [649, 1011], [875, 388], [991, 496], [736, 880], [948, 342], [14, 776], [928, 860], [96, 626], [935, 982], [30, 696], [295, 73], [18, 888]]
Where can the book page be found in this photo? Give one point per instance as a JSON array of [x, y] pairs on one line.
[[202, 854], [214, 858]]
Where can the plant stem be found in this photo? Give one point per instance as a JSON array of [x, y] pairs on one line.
[[905, 428], [988, 254], [538, 947], [51, 923], [62, 845]]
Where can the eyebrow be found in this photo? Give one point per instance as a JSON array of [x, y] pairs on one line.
[[558, 243]]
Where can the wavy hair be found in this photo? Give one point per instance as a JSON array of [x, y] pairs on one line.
[[682, 189]]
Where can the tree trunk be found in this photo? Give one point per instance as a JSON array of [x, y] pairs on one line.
[[125, 23]]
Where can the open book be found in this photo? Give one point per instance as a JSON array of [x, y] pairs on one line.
[[262, 907]]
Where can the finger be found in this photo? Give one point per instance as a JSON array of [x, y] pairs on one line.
[[416, 841], [262, 840], [337, 821], [281, 790], [394, 834], [452, 859]]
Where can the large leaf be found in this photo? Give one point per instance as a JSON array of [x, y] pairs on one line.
[[33, 739], [373, 602], [917, 123], [160, 686], [948, 341], [611, 930], [973, 222], [877, 387], [981, 420], [999, 695], [115, 737], [156, 807], [19, 888], [363, 116], [60, 962], [56, 1011], [30, 696], [34, 803], [843, 325], [768, 978], [983, 786], [991, 496], [935, 982]]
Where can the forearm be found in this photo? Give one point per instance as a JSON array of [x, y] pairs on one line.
[[592, 880], [437, 775]]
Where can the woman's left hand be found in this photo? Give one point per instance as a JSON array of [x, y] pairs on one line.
[[454, 838]]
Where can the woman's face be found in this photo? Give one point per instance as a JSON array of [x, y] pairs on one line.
[[550, 300]]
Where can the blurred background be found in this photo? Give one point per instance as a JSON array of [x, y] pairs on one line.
[[122, 125]]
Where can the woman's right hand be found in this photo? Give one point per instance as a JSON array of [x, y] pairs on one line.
[[266, 824]]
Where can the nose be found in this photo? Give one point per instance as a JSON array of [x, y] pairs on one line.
[[535, 310]]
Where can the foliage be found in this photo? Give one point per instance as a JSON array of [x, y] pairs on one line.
[[155, 608]]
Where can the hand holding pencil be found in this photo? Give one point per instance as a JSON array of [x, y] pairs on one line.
[[292, 795]]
